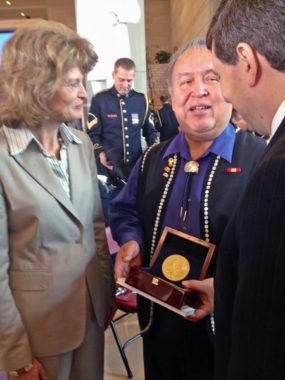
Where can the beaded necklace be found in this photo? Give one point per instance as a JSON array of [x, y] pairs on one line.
[[157, 223]]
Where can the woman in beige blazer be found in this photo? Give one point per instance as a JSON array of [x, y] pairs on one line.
[[56, 278]]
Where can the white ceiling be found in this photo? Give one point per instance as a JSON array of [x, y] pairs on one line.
[[31, 9]]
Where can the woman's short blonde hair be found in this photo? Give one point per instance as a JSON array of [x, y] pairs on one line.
[[33, 65]]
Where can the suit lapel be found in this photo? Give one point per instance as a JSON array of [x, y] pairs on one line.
[[38, 168], [280, 132], [77, 175]]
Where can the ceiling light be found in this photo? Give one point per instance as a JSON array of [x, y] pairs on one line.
[[22, 14], [8, 2]]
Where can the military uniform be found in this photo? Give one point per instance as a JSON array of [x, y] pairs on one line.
[[264, 137], [166, 122], [114, 125]]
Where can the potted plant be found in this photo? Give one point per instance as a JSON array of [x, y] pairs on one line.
[[162, 56]]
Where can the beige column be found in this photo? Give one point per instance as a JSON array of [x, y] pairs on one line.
[[62, 11]]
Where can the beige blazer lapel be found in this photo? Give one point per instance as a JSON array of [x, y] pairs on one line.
[[77, 174], [38, 168]]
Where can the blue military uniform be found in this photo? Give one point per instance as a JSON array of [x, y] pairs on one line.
[[166, 122], [114, 125]]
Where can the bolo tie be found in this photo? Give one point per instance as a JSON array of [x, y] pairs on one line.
[[191, 168]]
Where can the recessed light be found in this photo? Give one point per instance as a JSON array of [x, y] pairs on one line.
[[8, 2], [22, 14]]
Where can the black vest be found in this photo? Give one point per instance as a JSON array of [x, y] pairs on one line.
[[224, 193]]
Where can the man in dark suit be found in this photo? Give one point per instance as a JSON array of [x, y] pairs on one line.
[[166, 122], [247, 39]]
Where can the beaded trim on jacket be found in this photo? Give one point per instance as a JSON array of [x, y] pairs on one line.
[[165, 193], [162, 205], [145, 156]]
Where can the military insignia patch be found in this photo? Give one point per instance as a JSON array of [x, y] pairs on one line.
[[92, 120]]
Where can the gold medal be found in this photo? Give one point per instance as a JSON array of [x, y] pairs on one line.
[[175, 267], [191, 167]]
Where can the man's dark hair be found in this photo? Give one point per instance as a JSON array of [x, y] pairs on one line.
[[164, 98], [235, 114], [125, 63], [260, 23]]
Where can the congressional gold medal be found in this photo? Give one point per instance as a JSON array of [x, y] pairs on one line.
[[175, 267]]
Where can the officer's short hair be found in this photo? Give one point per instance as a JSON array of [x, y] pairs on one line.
[[164, 98], [126, 63]]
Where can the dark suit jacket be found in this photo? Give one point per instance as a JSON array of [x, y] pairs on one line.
[[250, 279]]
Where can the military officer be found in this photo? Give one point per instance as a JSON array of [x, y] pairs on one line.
[[116, 119], [166, 122], [238, 121]]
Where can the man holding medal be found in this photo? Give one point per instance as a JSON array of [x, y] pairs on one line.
[[191, 183]]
